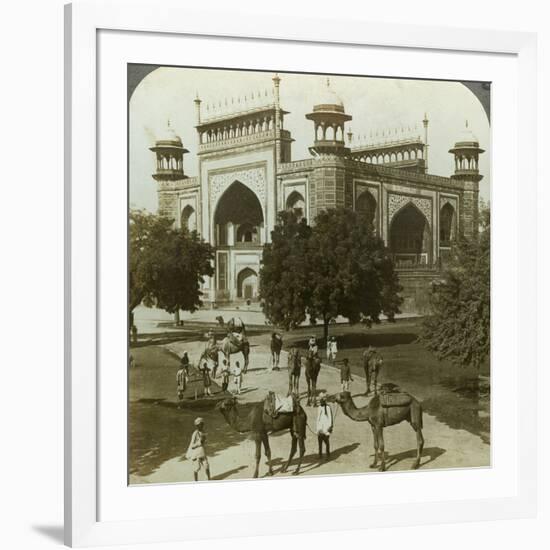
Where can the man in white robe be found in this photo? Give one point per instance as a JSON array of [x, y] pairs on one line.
[[325, 424]]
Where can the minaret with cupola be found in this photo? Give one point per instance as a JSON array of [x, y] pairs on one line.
[[329, 118], [330, 183], [466, 152], [169, 152]]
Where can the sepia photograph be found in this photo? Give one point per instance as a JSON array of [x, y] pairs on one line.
[[309, 274]]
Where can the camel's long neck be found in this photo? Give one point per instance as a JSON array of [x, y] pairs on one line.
[[241, 425], [358, 414]]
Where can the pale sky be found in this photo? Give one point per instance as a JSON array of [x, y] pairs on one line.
[[376, 104]]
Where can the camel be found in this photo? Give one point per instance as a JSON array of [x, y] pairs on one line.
[[313, 366], [294, 370], [402, 406], [276, 347], [372, 364], [228, 346], [259, 423]]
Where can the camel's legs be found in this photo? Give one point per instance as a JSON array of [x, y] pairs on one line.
[[267, 450], [257, 456], [375, 443], [302, 452], [308, 391], [381, 449], [314, 391], [419, 448], [293, 447]]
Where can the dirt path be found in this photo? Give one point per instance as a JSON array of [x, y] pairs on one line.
[[231, 454]]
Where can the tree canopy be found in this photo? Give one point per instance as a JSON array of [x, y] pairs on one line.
[[337, 267], [459, 327], [166, 266]]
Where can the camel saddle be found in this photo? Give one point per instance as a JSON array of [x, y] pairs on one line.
[[275, 404], [395, 399], [236, 338]]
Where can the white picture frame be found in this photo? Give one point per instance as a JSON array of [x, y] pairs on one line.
[[83, 524]]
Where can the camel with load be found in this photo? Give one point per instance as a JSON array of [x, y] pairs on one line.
[[264, 419], [385, 410]]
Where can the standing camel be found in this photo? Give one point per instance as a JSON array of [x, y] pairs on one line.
[[372, 364], [382, 411], [228, 346], [313, 366], [259, 423], [294, 370], [276, 346]]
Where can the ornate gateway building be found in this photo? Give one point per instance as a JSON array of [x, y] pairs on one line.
[[246, 175]]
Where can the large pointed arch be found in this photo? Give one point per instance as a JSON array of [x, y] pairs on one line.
[[410, 237], [238, 207]]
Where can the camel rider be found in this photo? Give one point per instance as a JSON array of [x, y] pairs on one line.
[[211, 339], [312, 345], [236, 334]]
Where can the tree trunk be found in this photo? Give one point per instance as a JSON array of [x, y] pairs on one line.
[[177, 317], [325, 329]]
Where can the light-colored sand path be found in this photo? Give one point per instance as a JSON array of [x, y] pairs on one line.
[[351, 442]]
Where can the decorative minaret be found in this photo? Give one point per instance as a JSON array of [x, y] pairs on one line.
[[329, 118], [466, 152], [278, 118], [425, 123], [197, 102], [169, 151]]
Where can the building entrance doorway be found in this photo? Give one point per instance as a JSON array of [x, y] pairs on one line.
[[247, 284]]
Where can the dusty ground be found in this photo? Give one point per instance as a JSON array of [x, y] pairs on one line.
[[159, 432]]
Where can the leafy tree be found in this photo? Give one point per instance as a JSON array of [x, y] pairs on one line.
[[284, 289], [167, 265], [337, 267], [350, 271], [459, 327]]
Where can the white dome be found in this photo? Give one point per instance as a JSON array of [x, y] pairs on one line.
[[170, 136], [329, 97], [467, 136]]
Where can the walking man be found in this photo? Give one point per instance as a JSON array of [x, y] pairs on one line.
[[325, 425], [332, 350], [345, 375], [206, 380], [196, 451], [181, 381], [225, 376], [184, 362], [238, 377]]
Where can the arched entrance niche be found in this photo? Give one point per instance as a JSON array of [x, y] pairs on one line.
[[239, 217], [410, 238], [366, 204], [188, 218], [447, 224], [296, 203], [247, 284]]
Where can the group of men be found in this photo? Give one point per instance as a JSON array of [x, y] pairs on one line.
[[324, 417], [182, 377]]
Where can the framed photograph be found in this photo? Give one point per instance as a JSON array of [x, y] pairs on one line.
[[294, 276]]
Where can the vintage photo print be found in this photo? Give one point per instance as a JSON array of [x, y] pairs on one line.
[[309, 274]]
